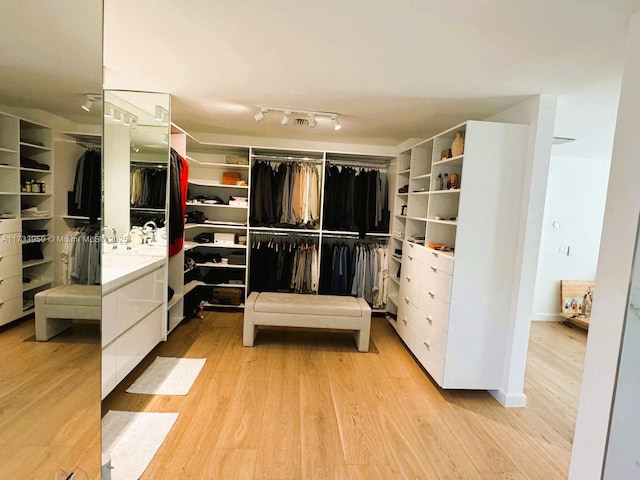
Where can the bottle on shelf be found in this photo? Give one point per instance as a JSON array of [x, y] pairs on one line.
[[445, 182], [439, 183]]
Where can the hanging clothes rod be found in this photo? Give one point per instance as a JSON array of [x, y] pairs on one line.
[[157, 166], [369, 237], [347, 163], [277, 158]]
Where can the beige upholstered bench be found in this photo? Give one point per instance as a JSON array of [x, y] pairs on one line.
[[311, 311], [57, 307]]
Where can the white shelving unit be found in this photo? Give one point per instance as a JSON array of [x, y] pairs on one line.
[[455, 288]]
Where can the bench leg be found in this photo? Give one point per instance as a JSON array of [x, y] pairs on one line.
[[249, 332], [362, 339], [47, 328]]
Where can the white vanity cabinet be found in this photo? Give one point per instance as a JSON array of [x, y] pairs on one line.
[[133, 321]]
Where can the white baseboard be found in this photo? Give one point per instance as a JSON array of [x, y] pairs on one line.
[[548, 317], [510, 401]]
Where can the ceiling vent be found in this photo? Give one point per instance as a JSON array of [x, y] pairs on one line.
[[302, 122]]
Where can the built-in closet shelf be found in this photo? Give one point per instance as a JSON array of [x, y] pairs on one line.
[[78, 217], [405, 172], [400, 239], [8, 150], [33, 263], [147, 209], [393, 299], [394, 279], [32, 194], [224, 226], [33, 146], [175, 300], [221, 265], [401, 216], [35, 284], [453, 161], [8, 167], [405, 194], [443, 222], [217, 205], [191, 245], [215, 183], [9, 193], [419, 177], [188, 287], [422, 192], [35, 170], [444, 192], [418, 219], [397, 258], [28, 311], [198, 164], [28, 219], [219, 305]]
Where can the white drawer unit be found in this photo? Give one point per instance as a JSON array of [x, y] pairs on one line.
[[10, 287], [11, 265], [455, 293], [10, 309], [10, 244], [109, 329], [10, 226], [138, 298]]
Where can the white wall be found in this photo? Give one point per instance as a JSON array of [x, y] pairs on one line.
[[576, 194], [539, 113], [612, 277]]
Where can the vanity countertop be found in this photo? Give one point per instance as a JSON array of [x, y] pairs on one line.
[[120, 267]]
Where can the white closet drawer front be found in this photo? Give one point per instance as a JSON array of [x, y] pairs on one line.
[[10, 287], [434, 310], [138, 298], [412, 250], [9, 245], [430, 333], [437, 282], [10, 265], [10, 309], [109, 320], [425, 354], [139, 340], [11, 225], [405, 318], [409, 289], [109, 369], [441, 261]]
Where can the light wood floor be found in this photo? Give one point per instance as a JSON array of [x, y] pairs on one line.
[[307, 405], [49, 402]]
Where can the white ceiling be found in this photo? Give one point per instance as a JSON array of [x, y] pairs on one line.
[[393, 70]]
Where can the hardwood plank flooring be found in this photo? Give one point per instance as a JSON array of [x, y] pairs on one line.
[[49, 401], [305, 404]]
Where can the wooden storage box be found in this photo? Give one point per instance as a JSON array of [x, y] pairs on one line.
[[230, 178], [226, 296]]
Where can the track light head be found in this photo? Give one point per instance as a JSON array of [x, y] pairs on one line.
[[260, 115], [285, 118], [312, 120], [336, 123], [88, 103]]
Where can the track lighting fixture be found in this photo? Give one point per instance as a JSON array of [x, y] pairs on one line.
[[88, 103], [335, 122], [303, 116], [260, 115]]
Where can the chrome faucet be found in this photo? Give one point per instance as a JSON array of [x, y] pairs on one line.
[[149, 233], [112, 239]]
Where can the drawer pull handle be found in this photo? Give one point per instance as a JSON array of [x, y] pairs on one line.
[[411, 245], [1, 303], [1, 257], [404, 320], [432, 295], [435, 270], [429, 319], [406, 299], [408, 277], [410, 257], [428, 345], [434, 254]]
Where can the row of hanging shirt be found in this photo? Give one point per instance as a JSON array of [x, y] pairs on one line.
[[360, 270], [148, 187], [284, 264], [81, 256], [285, 194]]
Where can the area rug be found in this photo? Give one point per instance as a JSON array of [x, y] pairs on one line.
[[132, 439], [168, 376]]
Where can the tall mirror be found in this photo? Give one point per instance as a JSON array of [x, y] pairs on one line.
[[134, 247], [623, 450], [51, 64]]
